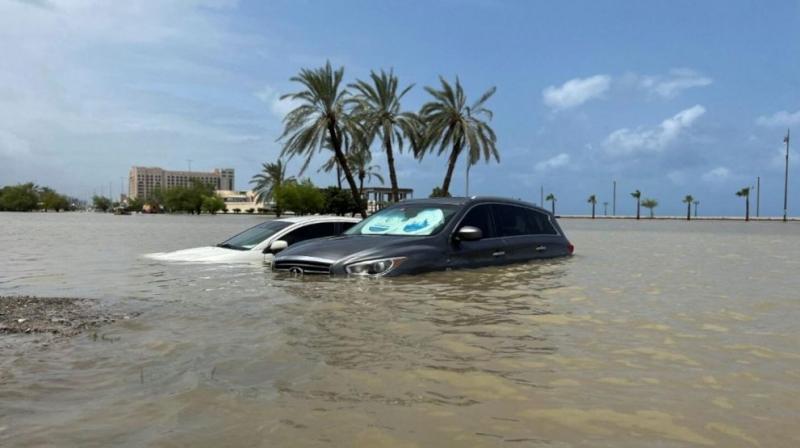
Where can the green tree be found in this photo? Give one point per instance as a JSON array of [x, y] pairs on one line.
[[135, 204], [688, 199], [638, 196], [745, 193], [101, 203], [377, 108], [338, 202], [450, 124], [19, 198], [439, 193], [213, 204], [592, 200], [552, 198], [268, 181], [52, 200], [321, 114], [650, 204], [302, 197]]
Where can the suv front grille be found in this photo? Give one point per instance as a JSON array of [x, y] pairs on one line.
[[302, 266]]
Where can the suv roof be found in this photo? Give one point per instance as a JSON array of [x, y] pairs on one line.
[[461, 200]]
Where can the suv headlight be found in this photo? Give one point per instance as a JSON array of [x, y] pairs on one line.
[[374, 268]]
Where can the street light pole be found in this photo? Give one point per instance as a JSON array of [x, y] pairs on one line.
[[758, 196], [614, 202], [786, 177]]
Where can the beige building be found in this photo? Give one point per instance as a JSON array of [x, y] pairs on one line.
[[240, 200], [379, 197], [143, 181]]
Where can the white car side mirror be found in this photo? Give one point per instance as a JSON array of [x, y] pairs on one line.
[[277, 246]]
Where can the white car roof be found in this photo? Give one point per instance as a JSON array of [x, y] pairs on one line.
[[317, 218]]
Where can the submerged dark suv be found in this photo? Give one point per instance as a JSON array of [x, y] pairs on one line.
[[432, 234]]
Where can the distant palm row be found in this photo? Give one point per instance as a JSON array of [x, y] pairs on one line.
[[651, 204], [346, 120]]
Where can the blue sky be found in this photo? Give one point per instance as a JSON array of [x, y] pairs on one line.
[[668, 97]]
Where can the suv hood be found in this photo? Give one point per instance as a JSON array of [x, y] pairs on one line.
[[336, 248]]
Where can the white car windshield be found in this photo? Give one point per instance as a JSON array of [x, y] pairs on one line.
[[254, 235], [410, 220]]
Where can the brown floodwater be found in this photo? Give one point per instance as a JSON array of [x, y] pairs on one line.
[[656, 333]]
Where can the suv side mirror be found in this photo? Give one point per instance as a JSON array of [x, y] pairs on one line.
[[277, 246], [469, 233]]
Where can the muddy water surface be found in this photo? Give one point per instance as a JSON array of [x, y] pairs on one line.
[[665, 334]]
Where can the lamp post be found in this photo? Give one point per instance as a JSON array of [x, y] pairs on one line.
[[786, 176]]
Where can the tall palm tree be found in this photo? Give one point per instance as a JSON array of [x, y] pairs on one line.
[[450, 124], [320, 115], [745, 193], [592, 200], [377, 108], [688, 201], [269, 181], [638, 196], [552, 198], [650, 204]]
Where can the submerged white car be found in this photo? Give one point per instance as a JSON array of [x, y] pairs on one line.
[[259, 243]]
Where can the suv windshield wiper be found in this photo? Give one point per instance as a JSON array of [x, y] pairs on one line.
[[229, 246]]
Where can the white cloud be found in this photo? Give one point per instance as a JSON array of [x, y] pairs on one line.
[[576, 91], [780, 119], [671, 85], [277, 106], [717, 174], [626, 141], [556, 161]]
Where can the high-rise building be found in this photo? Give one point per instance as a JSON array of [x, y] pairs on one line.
[[143, 181]]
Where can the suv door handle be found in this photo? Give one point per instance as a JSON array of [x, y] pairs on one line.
[[499, 253], [541, 248]]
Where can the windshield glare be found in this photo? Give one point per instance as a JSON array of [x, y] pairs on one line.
[[409, 220], [254, 235]]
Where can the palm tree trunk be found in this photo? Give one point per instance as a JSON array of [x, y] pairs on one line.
[[689, 212], [592, 210], [553, 206], [338, 175], [361, 176], [638, 207], [747, 208], [340, 157], [451, 165], [387, 143]]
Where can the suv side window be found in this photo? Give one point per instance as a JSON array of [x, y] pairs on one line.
[[513, 221], [310, 231], [481, 217], [345, 226]]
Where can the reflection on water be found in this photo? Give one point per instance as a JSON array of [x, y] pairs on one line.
[[654, 334]]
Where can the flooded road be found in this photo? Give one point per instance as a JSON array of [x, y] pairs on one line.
[[657, 333]]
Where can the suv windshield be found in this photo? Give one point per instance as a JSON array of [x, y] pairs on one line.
[[254, 235], [408, 220]]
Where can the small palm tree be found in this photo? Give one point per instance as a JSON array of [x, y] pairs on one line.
[[638, 196], [377, 108], [745, 193], [592, 200], [450, 124], [269, 181], [688, 199], [552, 198], [321, 115], [696, 203], [650, 204]]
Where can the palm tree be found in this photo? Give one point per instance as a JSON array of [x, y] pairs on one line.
[[377, 108], [638, 196], [745, 193], [651, 204], [449, 122], [269, 181], [592, 200], [552, 198], [320, 115], [696, 203], [688, 201]]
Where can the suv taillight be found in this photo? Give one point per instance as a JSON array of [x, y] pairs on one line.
[[570, 248]]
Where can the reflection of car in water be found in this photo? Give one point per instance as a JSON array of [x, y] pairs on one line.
[[433, 234], [260, 242]]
